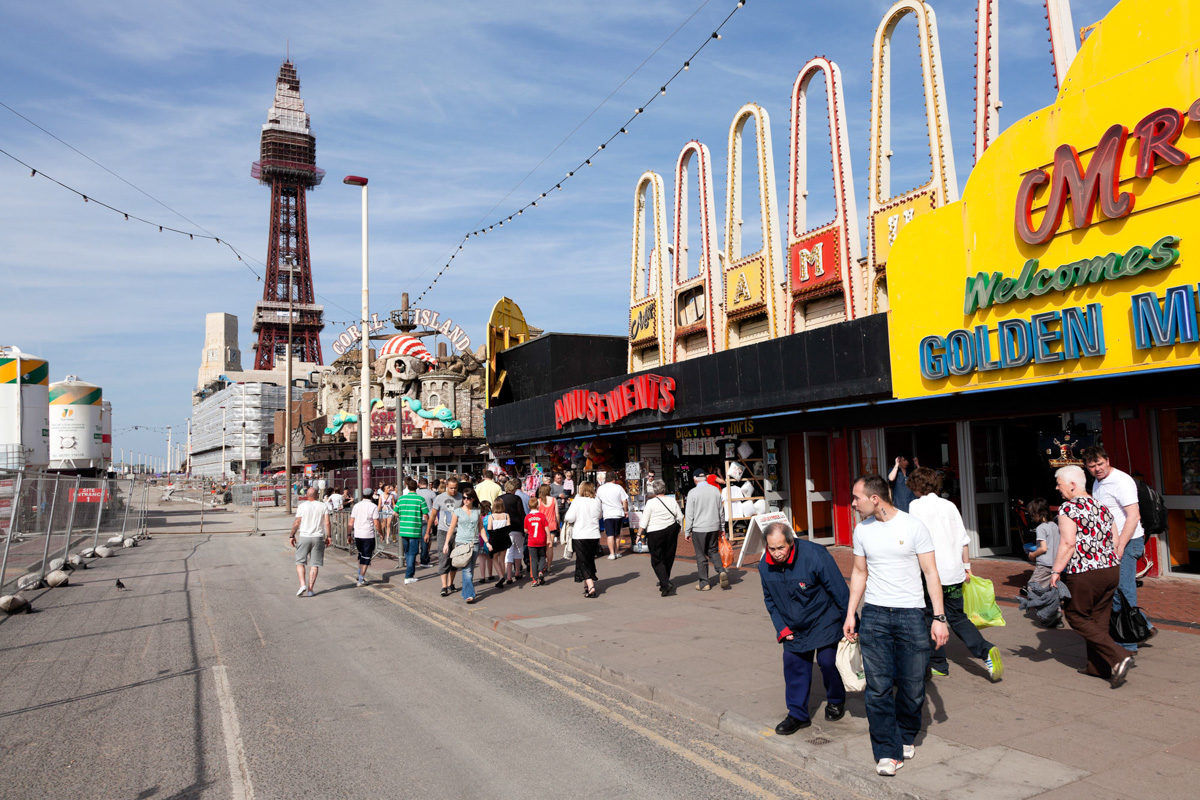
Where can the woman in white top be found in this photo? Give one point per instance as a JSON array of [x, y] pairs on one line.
[[584, 515], [661, 519]]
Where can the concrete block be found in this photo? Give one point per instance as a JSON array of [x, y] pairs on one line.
[[103, 552], [13, 604], [88, 552], [115, 540], [129, 543], [57, 564], [57, 578], [29, 582]]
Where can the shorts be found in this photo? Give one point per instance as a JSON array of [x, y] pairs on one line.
[[310, 550], [444, 566], [612, 527], [516, 550], [365, 548]]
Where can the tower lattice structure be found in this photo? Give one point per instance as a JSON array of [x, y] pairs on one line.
[[287, 163]]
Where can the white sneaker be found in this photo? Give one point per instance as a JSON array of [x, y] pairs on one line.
[[300, 592], [910, 752], [888, 766], [612, 557], [409, 580]]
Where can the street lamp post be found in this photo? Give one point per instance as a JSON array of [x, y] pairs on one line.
[[222, 442], [364, 399]]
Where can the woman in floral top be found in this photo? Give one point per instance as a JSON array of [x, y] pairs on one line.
[[1087, 563]]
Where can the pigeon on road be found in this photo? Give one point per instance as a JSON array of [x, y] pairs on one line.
[[119, 584]]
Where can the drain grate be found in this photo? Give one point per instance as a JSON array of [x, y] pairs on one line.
[[819, 740]]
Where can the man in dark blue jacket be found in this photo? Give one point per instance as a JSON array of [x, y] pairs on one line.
[[806, 597]]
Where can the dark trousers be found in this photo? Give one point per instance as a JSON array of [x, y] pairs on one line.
[[410, 545], [537, 559], [585, 558], [895, 651], [1088, 612], [797, 679], [964, 629], [662, 544], [705, 545], [424, 555]]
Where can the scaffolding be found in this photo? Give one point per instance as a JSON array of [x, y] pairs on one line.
[[217, 424]]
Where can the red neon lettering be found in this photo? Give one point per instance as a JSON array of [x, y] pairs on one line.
[[560, 412], [1100, 181], [666, 403], [1157, 134]]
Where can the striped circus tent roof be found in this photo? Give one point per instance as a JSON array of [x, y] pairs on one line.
[[403, 345]]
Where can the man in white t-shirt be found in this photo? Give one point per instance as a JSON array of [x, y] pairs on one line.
[[364, 518], [892, 550], [310, 537], [614, 504], [950, 550], [1117, 491], [336, 500]]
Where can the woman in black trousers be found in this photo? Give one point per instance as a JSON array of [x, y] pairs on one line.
[[584, 516], [661, 520]]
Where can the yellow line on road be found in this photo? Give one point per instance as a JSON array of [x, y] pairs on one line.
[[519, 660]]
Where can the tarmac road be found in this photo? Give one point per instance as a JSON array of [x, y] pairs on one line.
[[208, 677]]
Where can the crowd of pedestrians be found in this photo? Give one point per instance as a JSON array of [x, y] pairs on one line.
[[904, 596]]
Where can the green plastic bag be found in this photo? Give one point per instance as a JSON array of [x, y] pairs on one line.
[[979, 602]]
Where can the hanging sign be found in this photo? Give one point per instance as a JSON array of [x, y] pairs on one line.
[[428, 318]]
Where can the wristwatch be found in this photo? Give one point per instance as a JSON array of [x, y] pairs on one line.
[[939, 617]]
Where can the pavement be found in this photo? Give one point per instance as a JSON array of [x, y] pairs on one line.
[[207, 677], [1045, 731]]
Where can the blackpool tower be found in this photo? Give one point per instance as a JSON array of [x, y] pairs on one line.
[[287, 163]]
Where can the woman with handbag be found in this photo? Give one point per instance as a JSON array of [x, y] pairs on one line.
[[1087, 563], [584, 517], [661, 522], [465, 534]]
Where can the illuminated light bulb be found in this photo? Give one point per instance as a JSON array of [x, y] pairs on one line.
[[687, 65], [662, 90]]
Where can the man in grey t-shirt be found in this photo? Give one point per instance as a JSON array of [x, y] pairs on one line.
[[442, 510], [428, 495]]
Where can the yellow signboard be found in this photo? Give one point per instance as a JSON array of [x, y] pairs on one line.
[[890, 220], [643, 322], [744, 287], [1076, 247]]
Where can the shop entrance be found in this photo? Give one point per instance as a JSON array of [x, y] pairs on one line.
[[1007, 463], [1179, 464]]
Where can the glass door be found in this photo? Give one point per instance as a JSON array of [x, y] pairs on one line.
[[990, 482], [1178, 465], [818, 482]]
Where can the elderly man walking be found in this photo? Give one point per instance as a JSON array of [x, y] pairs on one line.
[[310, 536], [704, 518], [806, 597], [892, 550]]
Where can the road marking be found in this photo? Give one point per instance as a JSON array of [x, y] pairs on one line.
[[262, 640], [235, 752], [610, 708], [557, 619]]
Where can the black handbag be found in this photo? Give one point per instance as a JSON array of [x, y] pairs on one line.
[[1128, 625]]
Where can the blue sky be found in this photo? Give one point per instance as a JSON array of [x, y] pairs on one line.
[[445, 107]]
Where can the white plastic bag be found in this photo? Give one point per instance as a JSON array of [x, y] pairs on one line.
[[850, 665]]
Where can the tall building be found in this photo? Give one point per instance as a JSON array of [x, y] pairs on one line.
[[287, 163], [221, 355]]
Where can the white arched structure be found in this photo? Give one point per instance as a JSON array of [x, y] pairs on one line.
[[696, 316], [822, 261], [987, 62], [888, 213], [754, 286], [649, 326]]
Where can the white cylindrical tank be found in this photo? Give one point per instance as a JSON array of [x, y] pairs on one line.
[[24, 409], [76, 434], [106, 432]]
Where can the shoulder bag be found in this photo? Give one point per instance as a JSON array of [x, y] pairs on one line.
[[460, 556], [1128, 625]]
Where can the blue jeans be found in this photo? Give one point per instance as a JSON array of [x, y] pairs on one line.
[[411, 546], [468, 575], [797, 679], [895, 651], [1127, 583], [960, 623]]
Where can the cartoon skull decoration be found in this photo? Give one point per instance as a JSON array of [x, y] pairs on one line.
[[401, 363]]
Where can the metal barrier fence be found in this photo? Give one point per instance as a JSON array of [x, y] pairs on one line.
[[43, 515], [341, 533]]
